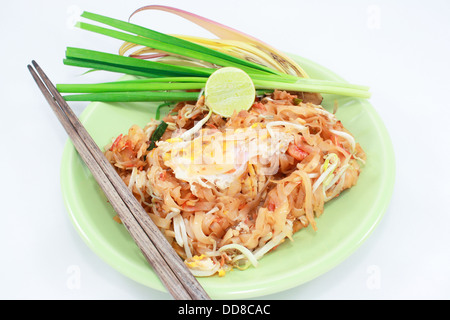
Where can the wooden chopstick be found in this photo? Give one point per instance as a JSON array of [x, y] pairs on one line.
[[172, 271]]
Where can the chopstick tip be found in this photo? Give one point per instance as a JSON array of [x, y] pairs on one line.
[[35, 64], [30, 68]]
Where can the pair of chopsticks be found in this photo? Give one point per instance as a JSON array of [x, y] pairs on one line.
[[169, 267]]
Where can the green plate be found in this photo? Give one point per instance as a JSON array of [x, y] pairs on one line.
[[346, 222]]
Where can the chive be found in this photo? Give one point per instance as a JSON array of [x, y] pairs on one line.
[[157, 134], [160, 76], [167, 47], [123, 87], [101, 66], [162, 79], [133, 63], [297, 101], [261, 92], [305, 87], [133, 96], [271, 82], [183, 47], [158, 109]]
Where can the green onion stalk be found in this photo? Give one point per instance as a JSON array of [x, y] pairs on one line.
[[164, 82]]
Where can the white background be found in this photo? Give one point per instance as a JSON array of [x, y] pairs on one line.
[[401, 49]]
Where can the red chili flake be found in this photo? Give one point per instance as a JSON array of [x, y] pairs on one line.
[[271, 206], [116, 142], [259, 105]]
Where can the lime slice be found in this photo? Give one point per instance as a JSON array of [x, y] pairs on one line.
[[229, 89]]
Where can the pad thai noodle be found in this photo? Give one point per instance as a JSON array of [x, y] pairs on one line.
[[226, 191]]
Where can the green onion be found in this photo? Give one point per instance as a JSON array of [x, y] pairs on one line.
[[302, 85], [133, 63], [158, 109], [157, 134], [167, 47], [101, 66], [162, 79], [133, 96], [124, 87], [170, 82], [297, 101], [168, 43]]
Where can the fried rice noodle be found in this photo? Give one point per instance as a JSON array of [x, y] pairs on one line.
[[287, 161]]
